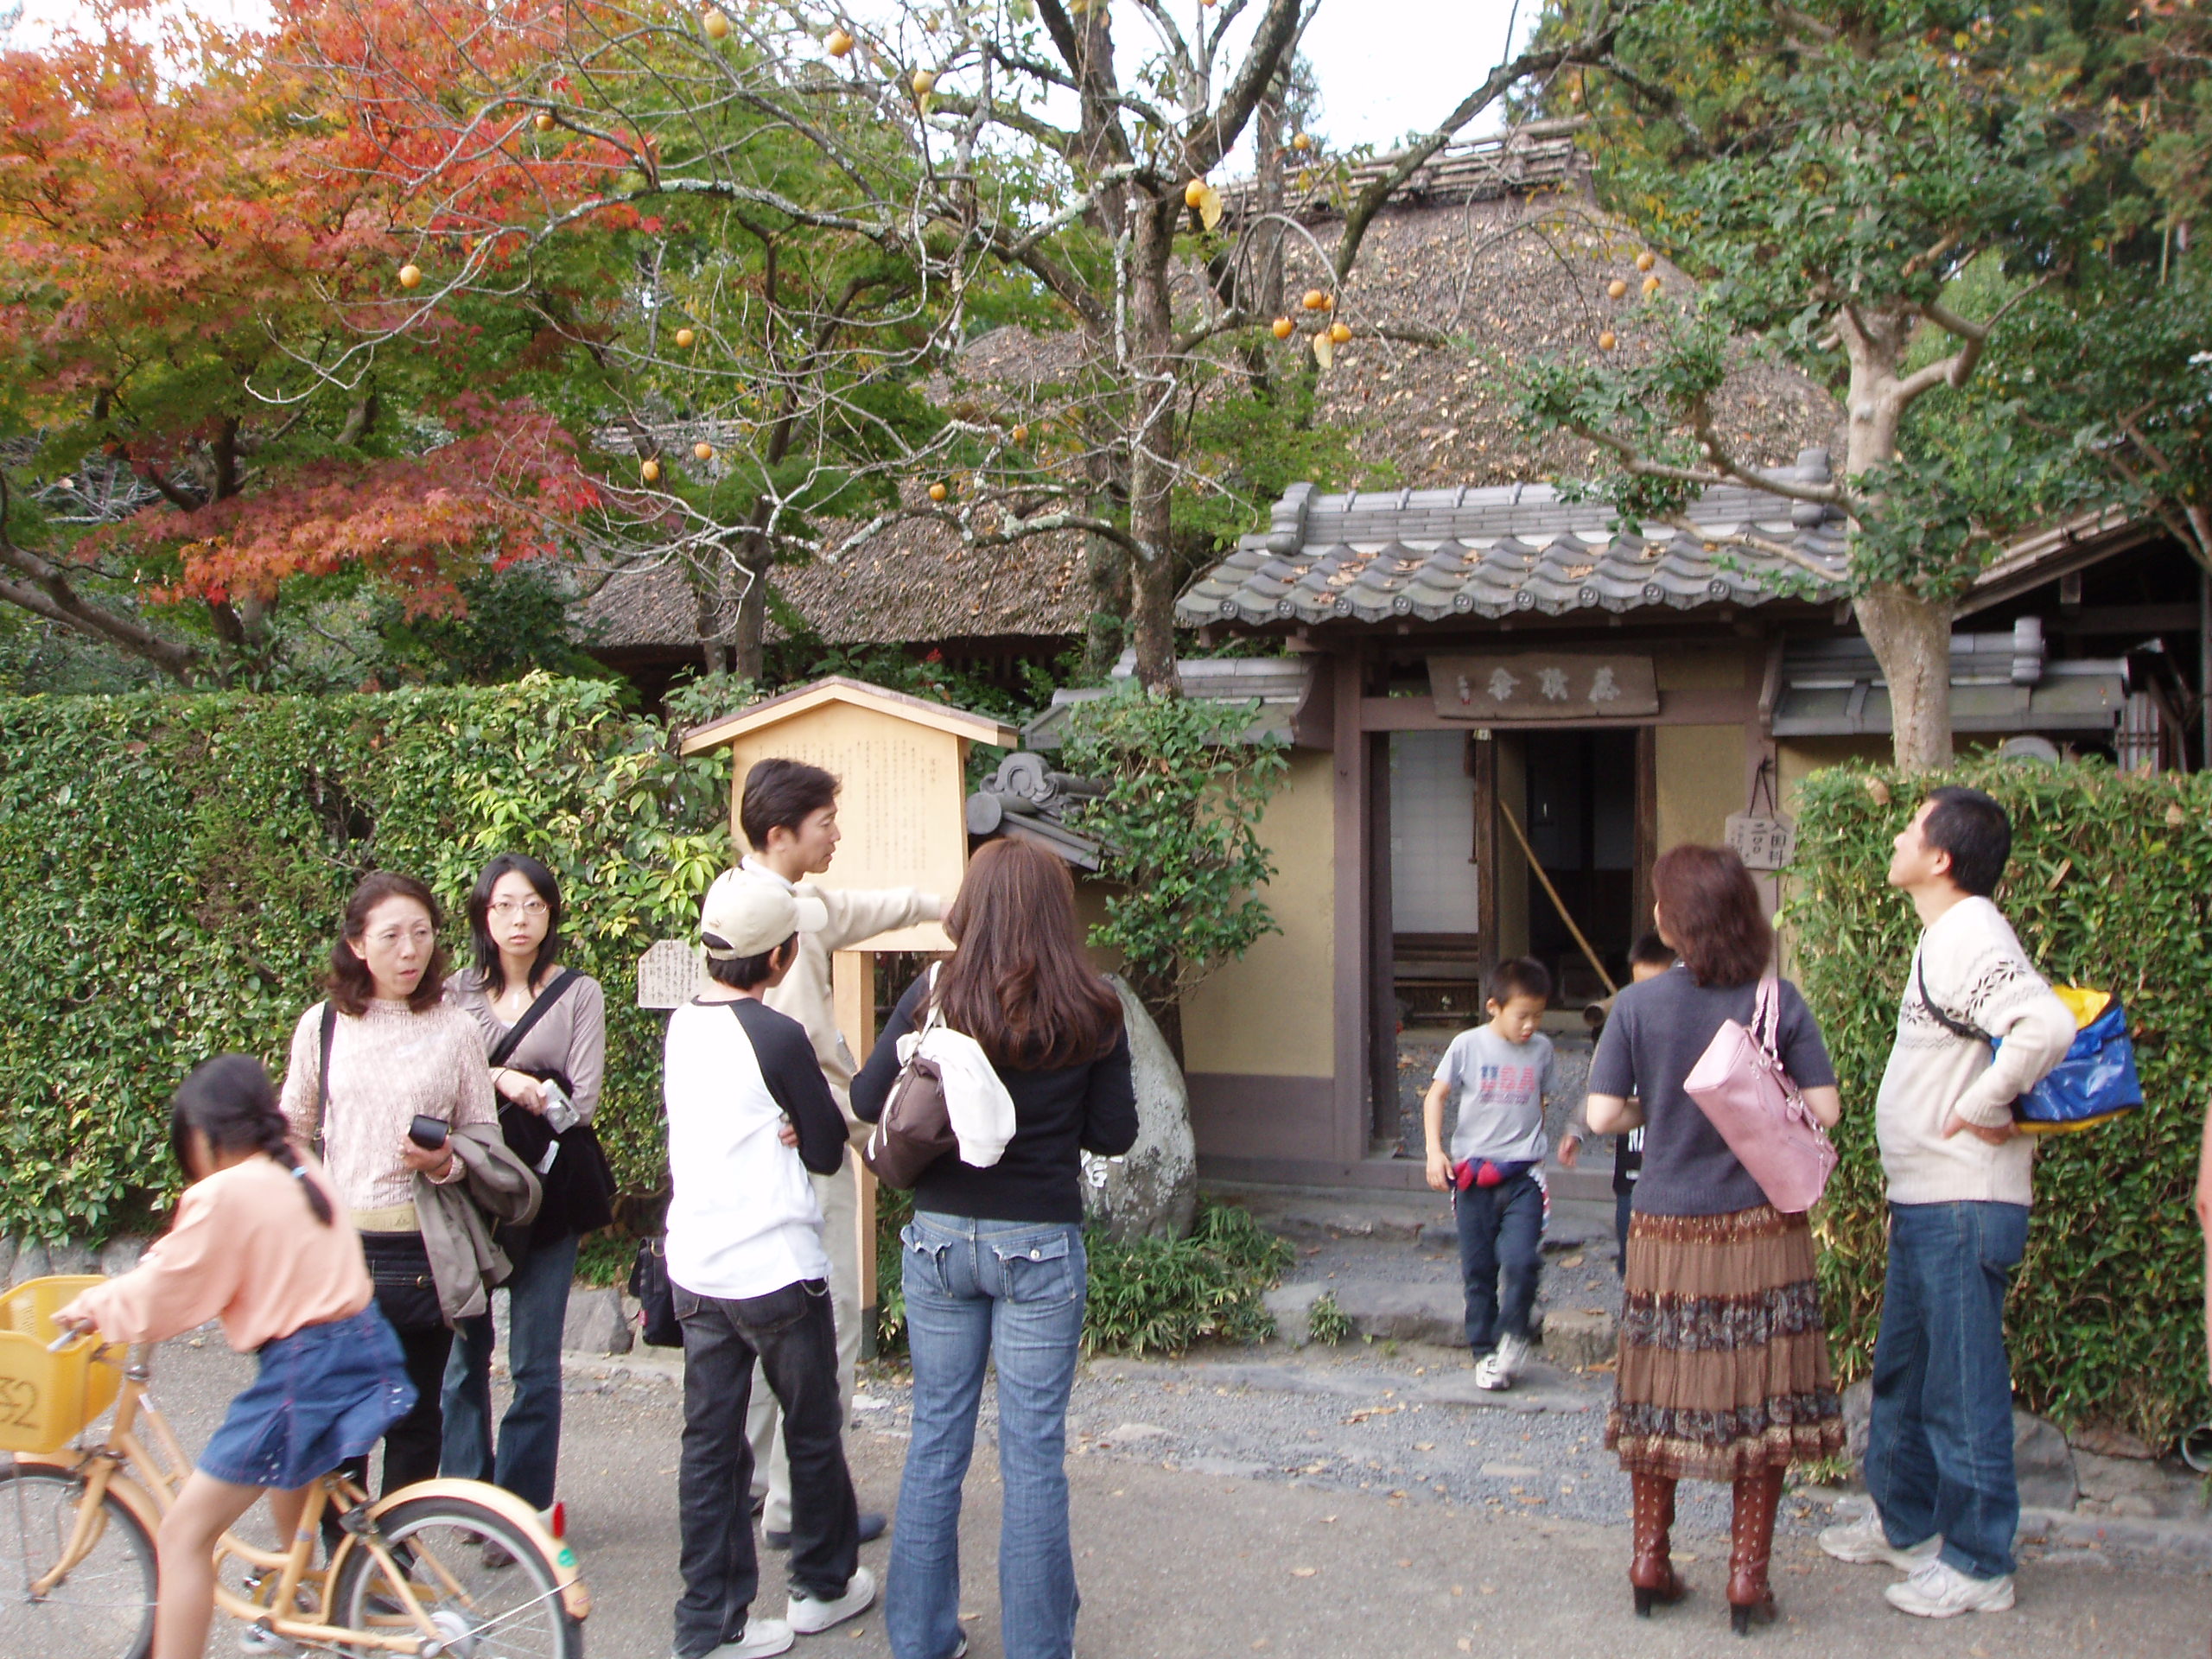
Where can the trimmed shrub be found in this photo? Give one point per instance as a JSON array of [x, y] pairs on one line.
[[172, 869], [2109, 886]]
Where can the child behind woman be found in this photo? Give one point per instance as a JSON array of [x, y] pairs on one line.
[[257, 1243]]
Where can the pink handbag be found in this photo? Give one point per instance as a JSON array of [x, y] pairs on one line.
[[1739, 1083]]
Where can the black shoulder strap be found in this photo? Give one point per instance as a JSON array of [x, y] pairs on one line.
[[1957, 1027], [530, 1016], [322, 1072]]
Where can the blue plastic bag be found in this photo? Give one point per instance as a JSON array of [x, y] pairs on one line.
[[2094, 1083]]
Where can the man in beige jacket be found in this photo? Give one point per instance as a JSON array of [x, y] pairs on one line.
[[789, 814]]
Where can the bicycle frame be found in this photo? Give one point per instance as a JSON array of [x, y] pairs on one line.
[[162, 1469]]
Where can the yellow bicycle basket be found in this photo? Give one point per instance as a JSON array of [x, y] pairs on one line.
[[45, 1399]]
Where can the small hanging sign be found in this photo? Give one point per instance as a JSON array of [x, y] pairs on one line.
[[669, 974], [1764, 841]]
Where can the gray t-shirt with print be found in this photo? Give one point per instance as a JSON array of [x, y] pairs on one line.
[[1499, 1089]]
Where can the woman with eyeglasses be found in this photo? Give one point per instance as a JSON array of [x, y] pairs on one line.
[[544, 1031], [394, 1052]]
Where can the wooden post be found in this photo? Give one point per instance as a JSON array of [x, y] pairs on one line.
[[852, 991]]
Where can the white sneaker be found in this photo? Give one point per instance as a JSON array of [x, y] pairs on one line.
[[1862, 1542], [762, 1637], [1498, 1369], [1941, 1590], [809, 1616]]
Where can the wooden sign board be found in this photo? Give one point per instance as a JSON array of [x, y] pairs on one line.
[[1764, 843], [670, 973], [1543, 685], [900, 762]]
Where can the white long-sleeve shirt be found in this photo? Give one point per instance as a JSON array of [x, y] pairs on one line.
[[1976, 971]]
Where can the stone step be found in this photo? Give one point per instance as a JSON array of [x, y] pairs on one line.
[[1389, 1309], [1541, 1386]]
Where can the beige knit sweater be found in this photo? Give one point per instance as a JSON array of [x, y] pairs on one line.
[[386, 1065]]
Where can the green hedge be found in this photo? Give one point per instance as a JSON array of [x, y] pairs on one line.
[[172, 869], [2109, 886]]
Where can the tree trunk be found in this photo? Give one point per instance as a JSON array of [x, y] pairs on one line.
[[1910, 634], [1911, 637], [1152, 478]]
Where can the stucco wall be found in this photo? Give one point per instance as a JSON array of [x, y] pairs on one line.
[[1730, 667], [1273, 1013], [1700, 782], [1798, 758]]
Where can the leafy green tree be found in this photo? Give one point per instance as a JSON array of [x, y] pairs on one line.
[[1831, 173], [1180, 819], [860, 197]]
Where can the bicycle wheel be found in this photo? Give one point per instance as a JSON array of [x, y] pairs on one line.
[[105, 1605], [512, 1611]]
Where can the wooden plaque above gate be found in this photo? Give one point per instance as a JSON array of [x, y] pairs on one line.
[[1543, 685]]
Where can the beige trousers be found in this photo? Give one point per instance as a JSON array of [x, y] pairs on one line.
[[839, 1196]]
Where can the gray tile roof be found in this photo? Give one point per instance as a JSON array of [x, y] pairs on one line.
[[1431, 555]]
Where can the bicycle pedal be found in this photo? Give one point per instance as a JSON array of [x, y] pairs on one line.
[[254, 1639]]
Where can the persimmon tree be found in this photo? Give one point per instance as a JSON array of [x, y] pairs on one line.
[[177, 252], [828, 207], [1887, 195]]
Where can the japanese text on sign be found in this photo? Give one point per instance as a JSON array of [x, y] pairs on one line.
[[1542, 686]]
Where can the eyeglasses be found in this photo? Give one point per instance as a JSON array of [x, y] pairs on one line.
[[390, 937], [530, 907]]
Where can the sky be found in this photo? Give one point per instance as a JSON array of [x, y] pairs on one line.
[[1386, 66]]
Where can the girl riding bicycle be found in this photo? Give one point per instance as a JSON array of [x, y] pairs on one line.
[[257, 1243]]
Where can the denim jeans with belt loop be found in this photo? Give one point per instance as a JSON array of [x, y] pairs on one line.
[[1009, 1293], [791, 1333], [1939, 1440], [527, 1457]]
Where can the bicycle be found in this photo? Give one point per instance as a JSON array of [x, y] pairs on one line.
[[407, 1573]]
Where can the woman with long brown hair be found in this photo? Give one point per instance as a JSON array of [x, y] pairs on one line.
[[1724, 1363], [993, 1262]]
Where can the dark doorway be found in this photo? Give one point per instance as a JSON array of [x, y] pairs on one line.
[[1580, 812]]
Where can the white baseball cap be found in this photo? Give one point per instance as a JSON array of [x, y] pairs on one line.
[[748, 915]]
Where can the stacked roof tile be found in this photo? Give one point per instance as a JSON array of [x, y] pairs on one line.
[[1433, 555]]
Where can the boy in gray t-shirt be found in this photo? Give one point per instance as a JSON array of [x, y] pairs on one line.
[[1498, 1075]]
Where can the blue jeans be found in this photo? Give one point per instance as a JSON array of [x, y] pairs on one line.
[[1010, 1291], [1500, 1251], [530, 1434], [1939, 1449]]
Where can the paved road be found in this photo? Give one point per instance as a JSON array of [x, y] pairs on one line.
[[1177, 1563]]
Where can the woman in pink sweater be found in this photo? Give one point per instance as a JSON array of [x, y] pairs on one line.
[[257, 1244]]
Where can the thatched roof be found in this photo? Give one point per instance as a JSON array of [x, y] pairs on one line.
[[913, 583], [1517, 280], [1513, 276]]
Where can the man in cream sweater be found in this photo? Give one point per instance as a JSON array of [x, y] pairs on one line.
[[1939, 1456], [788, 814]]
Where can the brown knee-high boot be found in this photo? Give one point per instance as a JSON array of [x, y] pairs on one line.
[[1650, 1569], [1750, 1545]]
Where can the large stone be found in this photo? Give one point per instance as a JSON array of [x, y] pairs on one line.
[[2133, 1487], [121, 1253], [1291, 1306], [1857, 1403], [1575, 1339], [7, 1258], [72, 1256], [597, 1322], [30, 1262], [2043, 1464], [1151, 1190], [2107, 1440]]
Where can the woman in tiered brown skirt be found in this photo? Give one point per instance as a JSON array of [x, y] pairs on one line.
[[1724, 1364]]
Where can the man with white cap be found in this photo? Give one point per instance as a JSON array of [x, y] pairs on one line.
[[749, 1115], [788, 811]]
